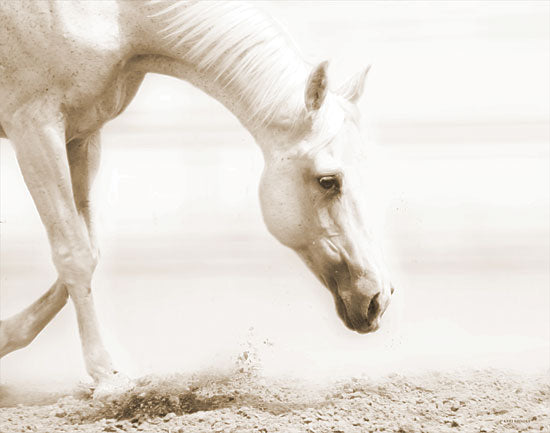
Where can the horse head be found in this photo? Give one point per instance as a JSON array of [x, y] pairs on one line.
[[313, 202]]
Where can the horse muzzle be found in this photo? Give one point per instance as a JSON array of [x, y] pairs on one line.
[[361, 293], [360, 304]]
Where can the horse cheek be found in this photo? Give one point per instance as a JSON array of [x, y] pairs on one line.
[[282, 212]]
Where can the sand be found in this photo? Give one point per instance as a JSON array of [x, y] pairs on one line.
[[244, 401]]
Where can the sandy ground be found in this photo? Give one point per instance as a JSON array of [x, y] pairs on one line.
[[244, 401]]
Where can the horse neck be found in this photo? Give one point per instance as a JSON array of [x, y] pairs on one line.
[[234, 53]]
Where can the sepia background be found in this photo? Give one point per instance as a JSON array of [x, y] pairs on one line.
[[458, 103]]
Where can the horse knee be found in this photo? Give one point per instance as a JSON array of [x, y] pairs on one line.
[[76, 267]]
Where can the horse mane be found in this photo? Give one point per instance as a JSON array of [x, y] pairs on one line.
[[242, 48]]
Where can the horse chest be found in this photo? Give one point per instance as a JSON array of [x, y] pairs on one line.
[[104, 106]]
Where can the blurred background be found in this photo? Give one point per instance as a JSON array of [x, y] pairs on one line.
[[458, 103]]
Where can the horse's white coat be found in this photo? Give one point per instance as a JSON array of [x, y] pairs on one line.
[[66, 68]]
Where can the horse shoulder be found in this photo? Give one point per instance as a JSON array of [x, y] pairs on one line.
[[71, 54]]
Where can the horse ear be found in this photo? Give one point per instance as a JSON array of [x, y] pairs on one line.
[[353, 88], [317, 87]]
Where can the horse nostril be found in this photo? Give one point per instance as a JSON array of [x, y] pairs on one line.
[[374, 309], [392, 290]]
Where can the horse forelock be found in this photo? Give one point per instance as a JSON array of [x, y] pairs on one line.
[[240, 47]]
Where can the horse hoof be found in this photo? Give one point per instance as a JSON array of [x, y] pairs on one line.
[[113, 386]]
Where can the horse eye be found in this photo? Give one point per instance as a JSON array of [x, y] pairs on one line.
[[328, 182]]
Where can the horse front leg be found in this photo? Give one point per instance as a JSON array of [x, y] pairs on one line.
[[22, 328], [84, 157], [41, 152]]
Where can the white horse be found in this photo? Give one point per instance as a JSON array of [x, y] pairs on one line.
[[68, 67]]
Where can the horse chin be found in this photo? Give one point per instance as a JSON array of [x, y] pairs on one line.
[[343, 312]]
